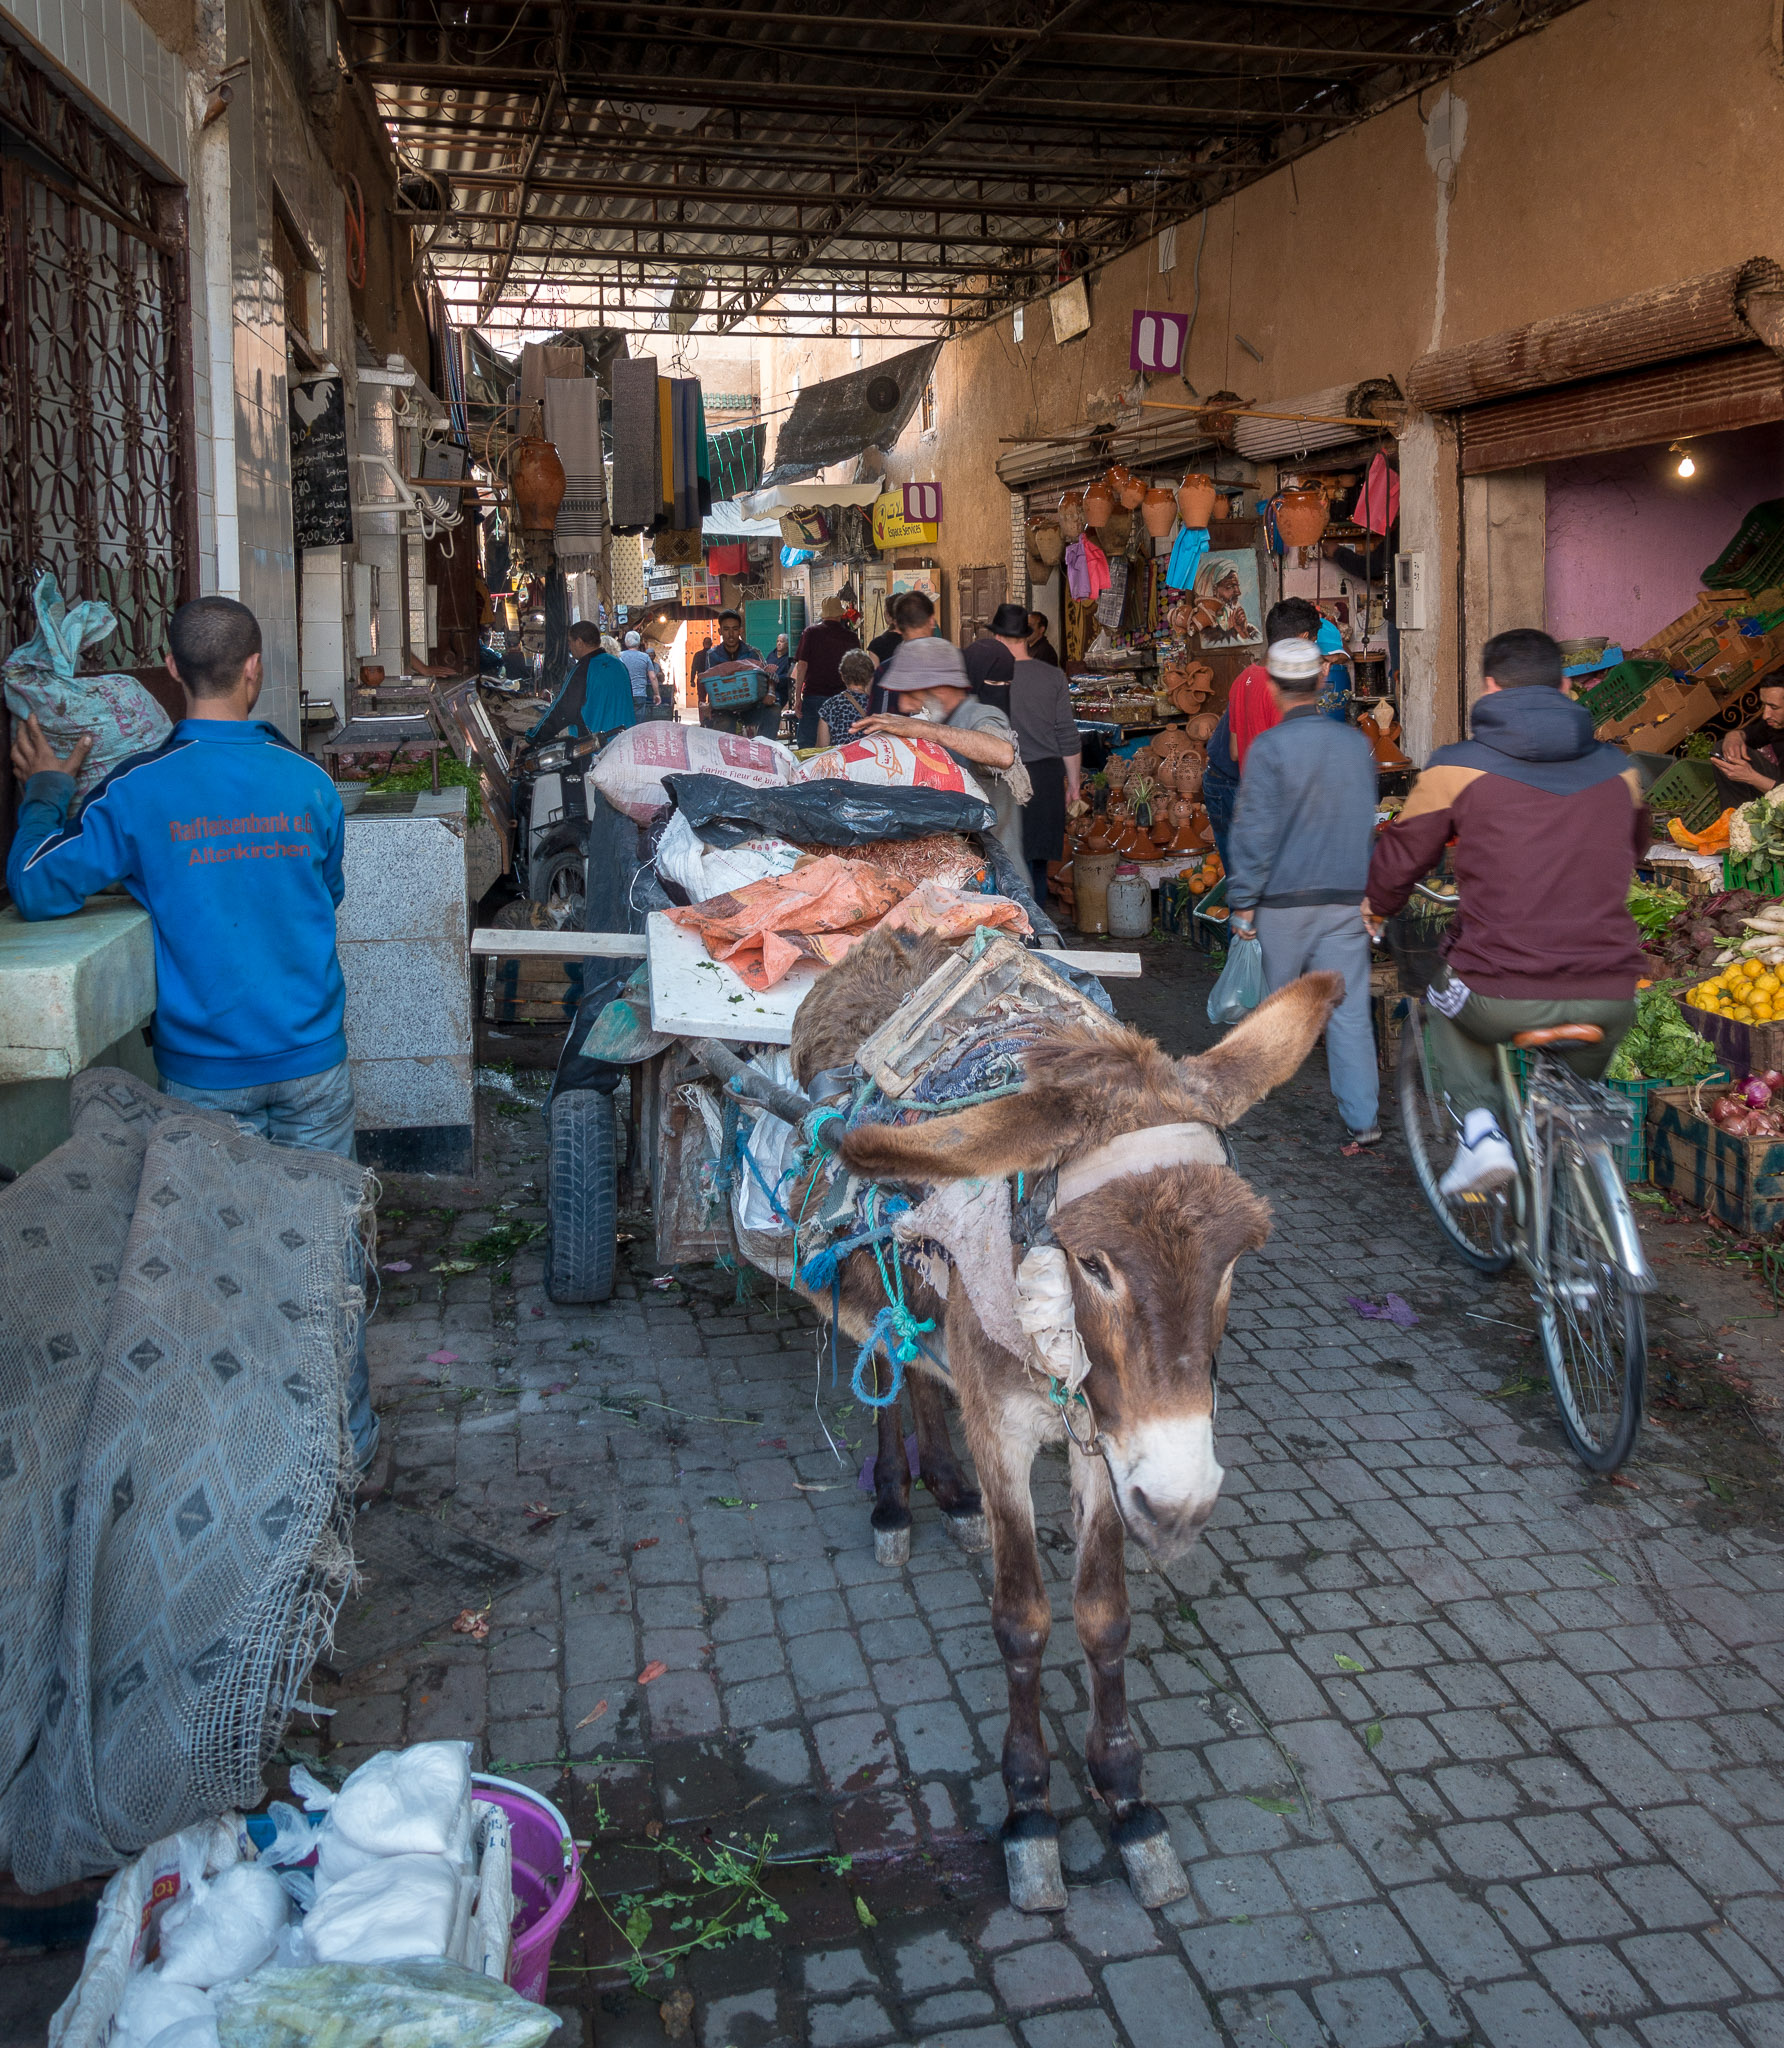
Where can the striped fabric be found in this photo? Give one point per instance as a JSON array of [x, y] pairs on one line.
[[573, 425]]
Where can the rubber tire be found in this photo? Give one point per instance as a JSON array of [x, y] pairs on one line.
[[550, 863], [581, 1197], [1607, 1456], [1411, 1094]]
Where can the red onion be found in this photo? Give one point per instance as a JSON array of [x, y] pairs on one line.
[[1773, 1079], [1756, 1092], [1737, 1126]]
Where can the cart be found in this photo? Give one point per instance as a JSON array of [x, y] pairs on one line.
[[661, 1018]]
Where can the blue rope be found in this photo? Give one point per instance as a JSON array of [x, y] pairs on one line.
[[820, 1270], [749, 1160]]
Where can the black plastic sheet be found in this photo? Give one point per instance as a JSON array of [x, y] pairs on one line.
[[826, 813]]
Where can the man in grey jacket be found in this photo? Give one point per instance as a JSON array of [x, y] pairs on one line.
[[1301, 841]]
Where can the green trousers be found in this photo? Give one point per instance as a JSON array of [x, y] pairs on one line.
[[1462, 1049]]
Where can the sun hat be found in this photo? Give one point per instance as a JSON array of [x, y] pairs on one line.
[[1294, 663]]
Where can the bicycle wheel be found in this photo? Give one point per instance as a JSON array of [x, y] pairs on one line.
[[1594, 1329], [1474, 1224]]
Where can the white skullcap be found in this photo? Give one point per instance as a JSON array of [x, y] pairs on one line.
[[1294, 662]]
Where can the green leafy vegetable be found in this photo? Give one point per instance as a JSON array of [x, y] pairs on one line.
[[1661, 1046], [1654, 909]]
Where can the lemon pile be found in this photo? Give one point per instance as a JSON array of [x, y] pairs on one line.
[[1748, 991]]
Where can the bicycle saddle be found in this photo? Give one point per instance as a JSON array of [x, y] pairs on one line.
[[1560, 1034]]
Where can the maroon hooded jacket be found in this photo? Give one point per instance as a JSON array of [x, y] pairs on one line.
[[1548, 825]]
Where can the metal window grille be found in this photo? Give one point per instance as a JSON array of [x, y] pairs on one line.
[[97, 455]]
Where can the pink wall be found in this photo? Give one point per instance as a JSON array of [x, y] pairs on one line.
[[1628, 538]]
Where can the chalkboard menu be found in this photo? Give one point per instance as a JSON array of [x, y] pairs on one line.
[[321, 496]]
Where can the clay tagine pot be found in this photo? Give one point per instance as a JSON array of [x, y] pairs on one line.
[[1159, 510], [1195, 499], [1301, 516], [1099, 502]]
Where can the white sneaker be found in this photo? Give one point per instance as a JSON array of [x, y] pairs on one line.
[[1484, 1160]]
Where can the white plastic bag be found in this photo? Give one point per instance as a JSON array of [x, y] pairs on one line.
[[199, 2031], [1241, 985], [398, 1909], [402, 1801], [629, 770], [438, 2003], [151, 2005], [882, 762], [705, 871], [223, 1927]]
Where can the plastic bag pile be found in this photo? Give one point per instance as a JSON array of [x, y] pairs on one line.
[[364, 1914]]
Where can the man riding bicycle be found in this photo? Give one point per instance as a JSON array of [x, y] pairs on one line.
[[1548, 825]]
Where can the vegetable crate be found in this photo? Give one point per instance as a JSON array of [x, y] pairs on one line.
[[1633, 1157], [1620, 690], [1746, 874], [1740, 1181], [1687, 791], [1754, 559], [1742, 1048]]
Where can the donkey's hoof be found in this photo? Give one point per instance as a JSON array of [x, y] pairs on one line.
[[1031, 1862], [892, 1546], [1154, 1875], [971, 1532]]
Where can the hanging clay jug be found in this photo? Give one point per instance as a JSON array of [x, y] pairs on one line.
[[1115, 533], [1045, 542], [1301, 517], [1129, 489], [1071, 516], [1159, 510], [536, 477], [1195, 499], [1099, 502]]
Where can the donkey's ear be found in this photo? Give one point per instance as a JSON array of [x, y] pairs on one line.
[[1016, 1134], [1265, 1050]]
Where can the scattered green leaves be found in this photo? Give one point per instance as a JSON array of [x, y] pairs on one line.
[[1345, 1663], [1274, 1805], [1520, 1383], [1372, 1735], [1600, 1570], [727, 1902], [730, 1500], [864, 1912], [1719, 1486]]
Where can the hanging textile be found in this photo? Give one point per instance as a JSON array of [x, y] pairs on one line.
[[1080, 628], [729, 558], [665, 453], [573, 426], [1109, 604], [1379, 505], [702, 451], [734, 460], [636, 461], [689, 448], [1086, 569], [1191, 545]]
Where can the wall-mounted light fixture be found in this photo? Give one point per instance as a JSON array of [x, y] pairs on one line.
[[1687, 468]]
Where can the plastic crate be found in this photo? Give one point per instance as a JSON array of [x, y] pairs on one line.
[[1745, 874], [1686, 791], [1632, 1157], [1754, 559], [1620, 690]]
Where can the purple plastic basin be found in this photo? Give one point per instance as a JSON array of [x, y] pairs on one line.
[[547, 1872]]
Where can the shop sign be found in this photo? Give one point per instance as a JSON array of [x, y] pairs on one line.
[[923, 504], [1158, 342], [892, 528], [698, 586]]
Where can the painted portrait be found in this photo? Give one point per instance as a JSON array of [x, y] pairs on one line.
[[1224, 604]]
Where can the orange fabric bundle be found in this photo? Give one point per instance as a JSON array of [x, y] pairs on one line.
[[1712, 839], [951, 915], [766, 928]]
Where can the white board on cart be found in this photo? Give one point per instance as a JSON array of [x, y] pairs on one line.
[[696, 996]]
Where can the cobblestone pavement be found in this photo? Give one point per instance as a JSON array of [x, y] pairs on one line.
[[1455, 1746]]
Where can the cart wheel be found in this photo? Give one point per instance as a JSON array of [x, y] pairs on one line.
[[582, 1211]]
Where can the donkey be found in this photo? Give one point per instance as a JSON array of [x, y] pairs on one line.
[[1152, 1222]]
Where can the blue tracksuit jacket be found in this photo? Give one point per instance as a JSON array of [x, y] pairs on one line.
[[230, 839]]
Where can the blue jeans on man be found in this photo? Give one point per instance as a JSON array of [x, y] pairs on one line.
[[315, 1114]]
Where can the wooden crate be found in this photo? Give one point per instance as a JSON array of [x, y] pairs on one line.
[[1742, 1048], [530, 992], [1740, 1181]]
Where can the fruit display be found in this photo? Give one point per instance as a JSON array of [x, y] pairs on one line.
[[1749, 991], [1753, 1108], [1694, 938]]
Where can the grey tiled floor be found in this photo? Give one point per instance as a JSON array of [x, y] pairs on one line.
[[1454, 1745]]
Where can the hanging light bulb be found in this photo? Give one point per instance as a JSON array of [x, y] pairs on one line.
[[1687, 468]]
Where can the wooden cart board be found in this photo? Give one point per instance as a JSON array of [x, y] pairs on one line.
[[1738, 1180], [696, 996], [994, 971]]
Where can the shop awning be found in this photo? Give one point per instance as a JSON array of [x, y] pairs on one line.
[[728, 521], [734, 456], [1156, 441], [1263, 440], [1728, 309], [770, 504], [835, 420]]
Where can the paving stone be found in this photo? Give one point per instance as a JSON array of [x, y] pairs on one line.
[[1273, 2019], [1589, 1980], [931, 1962], [1159, 2004], [1106, 1920], [1328, 1875], [1458, 1935], [841, 2026], [934, 1736], [1281, 1950], [745, 2020], [1677, 1969], [1005, 1928], [1046, 1974], [1070, 2030], [1522, 2015], [1367, 2012]]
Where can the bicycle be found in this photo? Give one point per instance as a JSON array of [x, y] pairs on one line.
[[1566, 1219]]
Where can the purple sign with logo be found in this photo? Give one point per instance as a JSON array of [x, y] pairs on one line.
[[1158, 342], [923, 503]]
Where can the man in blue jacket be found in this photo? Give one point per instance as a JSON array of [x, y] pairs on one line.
[[230, 839], [1301, 841]]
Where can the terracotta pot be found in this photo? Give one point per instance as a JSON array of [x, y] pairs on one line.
[[1301, 517], [1130, 490], [1099, 502], [1116, 530], [371, 675], [1046, 543], [1201, 725], [1071, 516], [1195, 499], [1386, 745], [536, 477], [1159, 510]]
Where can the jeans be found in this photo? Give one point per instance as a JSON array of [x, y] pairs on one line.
[[314, 1113], [1303, 940], [1462, 1051]]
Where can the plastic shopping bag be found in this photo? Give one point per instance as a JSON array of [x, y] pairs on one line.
[[1241, 985]]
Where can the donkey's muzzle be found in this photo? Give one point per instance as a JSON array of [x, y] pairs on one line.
[[1167, 1480]]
